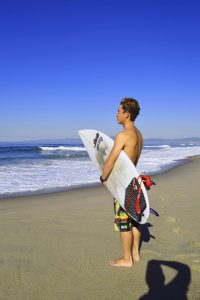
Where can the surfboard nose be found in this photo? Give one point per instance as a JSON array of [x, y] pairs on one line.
[[83, 131]]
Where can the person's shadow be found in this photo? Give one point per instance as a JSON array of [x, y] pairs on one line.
[[145, 233], [176, 289]]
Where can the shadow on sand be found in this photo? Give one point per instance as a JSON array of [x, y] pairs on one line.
[[176, 289], [145, 233]]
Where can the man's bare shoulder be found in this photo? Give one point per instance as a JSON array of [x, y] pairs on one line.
[[120, 137], [120, 134], [126, 136], [139, 134]]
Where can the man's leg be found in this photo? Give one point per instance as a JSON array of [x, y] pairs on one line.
[[124, 226], [136, 243], [126, 259]]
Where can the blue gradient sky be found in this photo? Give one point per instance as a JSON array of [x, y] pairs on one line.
[[65, 65]]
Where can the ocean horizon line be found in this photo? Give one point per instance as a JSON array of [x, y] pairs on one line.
[[77, 140]]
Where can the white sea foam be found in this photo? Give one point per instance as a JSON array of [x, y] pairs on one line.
[[51, 174], [46, 175], [161, 146], [155, 161], [62, 148]]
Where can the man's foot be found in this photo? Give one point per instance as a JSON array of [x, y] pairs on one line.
[[121, 262], [136, 257]]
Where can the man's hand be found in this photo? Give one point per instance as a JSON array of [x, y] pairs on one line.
[[104, 184], [103, 181]]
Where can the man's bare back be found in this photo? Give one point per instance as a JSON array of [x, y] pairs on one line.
[[133, 144]]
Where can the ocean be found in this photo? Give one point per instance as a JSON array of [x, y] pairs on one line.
[[42, 167]]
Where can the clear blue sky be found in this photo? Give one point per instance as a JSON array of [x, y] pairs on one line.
[[66, 64]]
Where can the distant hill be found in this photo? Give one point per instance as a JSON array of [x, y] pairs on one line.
[[148, 141], [44, 141], [155, 141]]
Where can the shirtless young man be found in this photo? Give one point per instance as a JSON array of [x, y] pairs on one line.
[[130, 140]]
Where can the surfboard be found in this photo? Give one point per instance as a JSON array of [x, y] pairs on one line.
[[124, 181]]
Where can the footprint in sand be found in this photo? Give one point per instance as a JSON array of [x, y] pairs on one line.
[[177, 230], [196, 267], [196, 244], [171, 220], [182, 195]]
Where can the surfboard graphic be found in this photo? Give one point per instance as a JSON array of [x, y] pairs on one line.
[[124, 182]]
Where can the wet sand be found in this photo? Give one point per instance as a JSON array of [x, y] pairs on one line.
[[58, 246]]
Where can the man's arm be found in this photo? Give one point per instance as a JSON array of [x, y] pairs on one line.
[[119, 144]]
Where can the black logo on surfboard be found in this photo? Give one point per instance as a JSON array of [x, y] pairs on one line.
[[97, 140]]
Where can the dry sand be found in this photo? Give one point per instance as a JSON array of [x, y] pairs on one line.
[[58, 246]]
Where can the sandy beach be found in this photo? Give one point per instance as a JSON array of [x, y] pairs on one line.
[[58, 246]]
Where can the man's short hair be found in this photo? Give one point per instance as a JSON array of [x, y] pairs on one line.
[[132, 106]]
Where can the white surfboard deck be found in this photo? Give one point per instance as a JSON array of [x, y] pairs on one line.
[[123, 181]]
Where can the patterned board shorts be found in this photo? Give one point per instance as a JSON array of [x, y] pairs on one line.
[[123, 222]]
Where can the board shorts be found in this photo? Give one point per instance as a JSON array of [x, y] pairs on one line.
[[123, 222]]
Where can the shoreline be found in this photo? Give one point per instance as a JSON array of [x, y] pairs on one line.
[[87, 186]]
